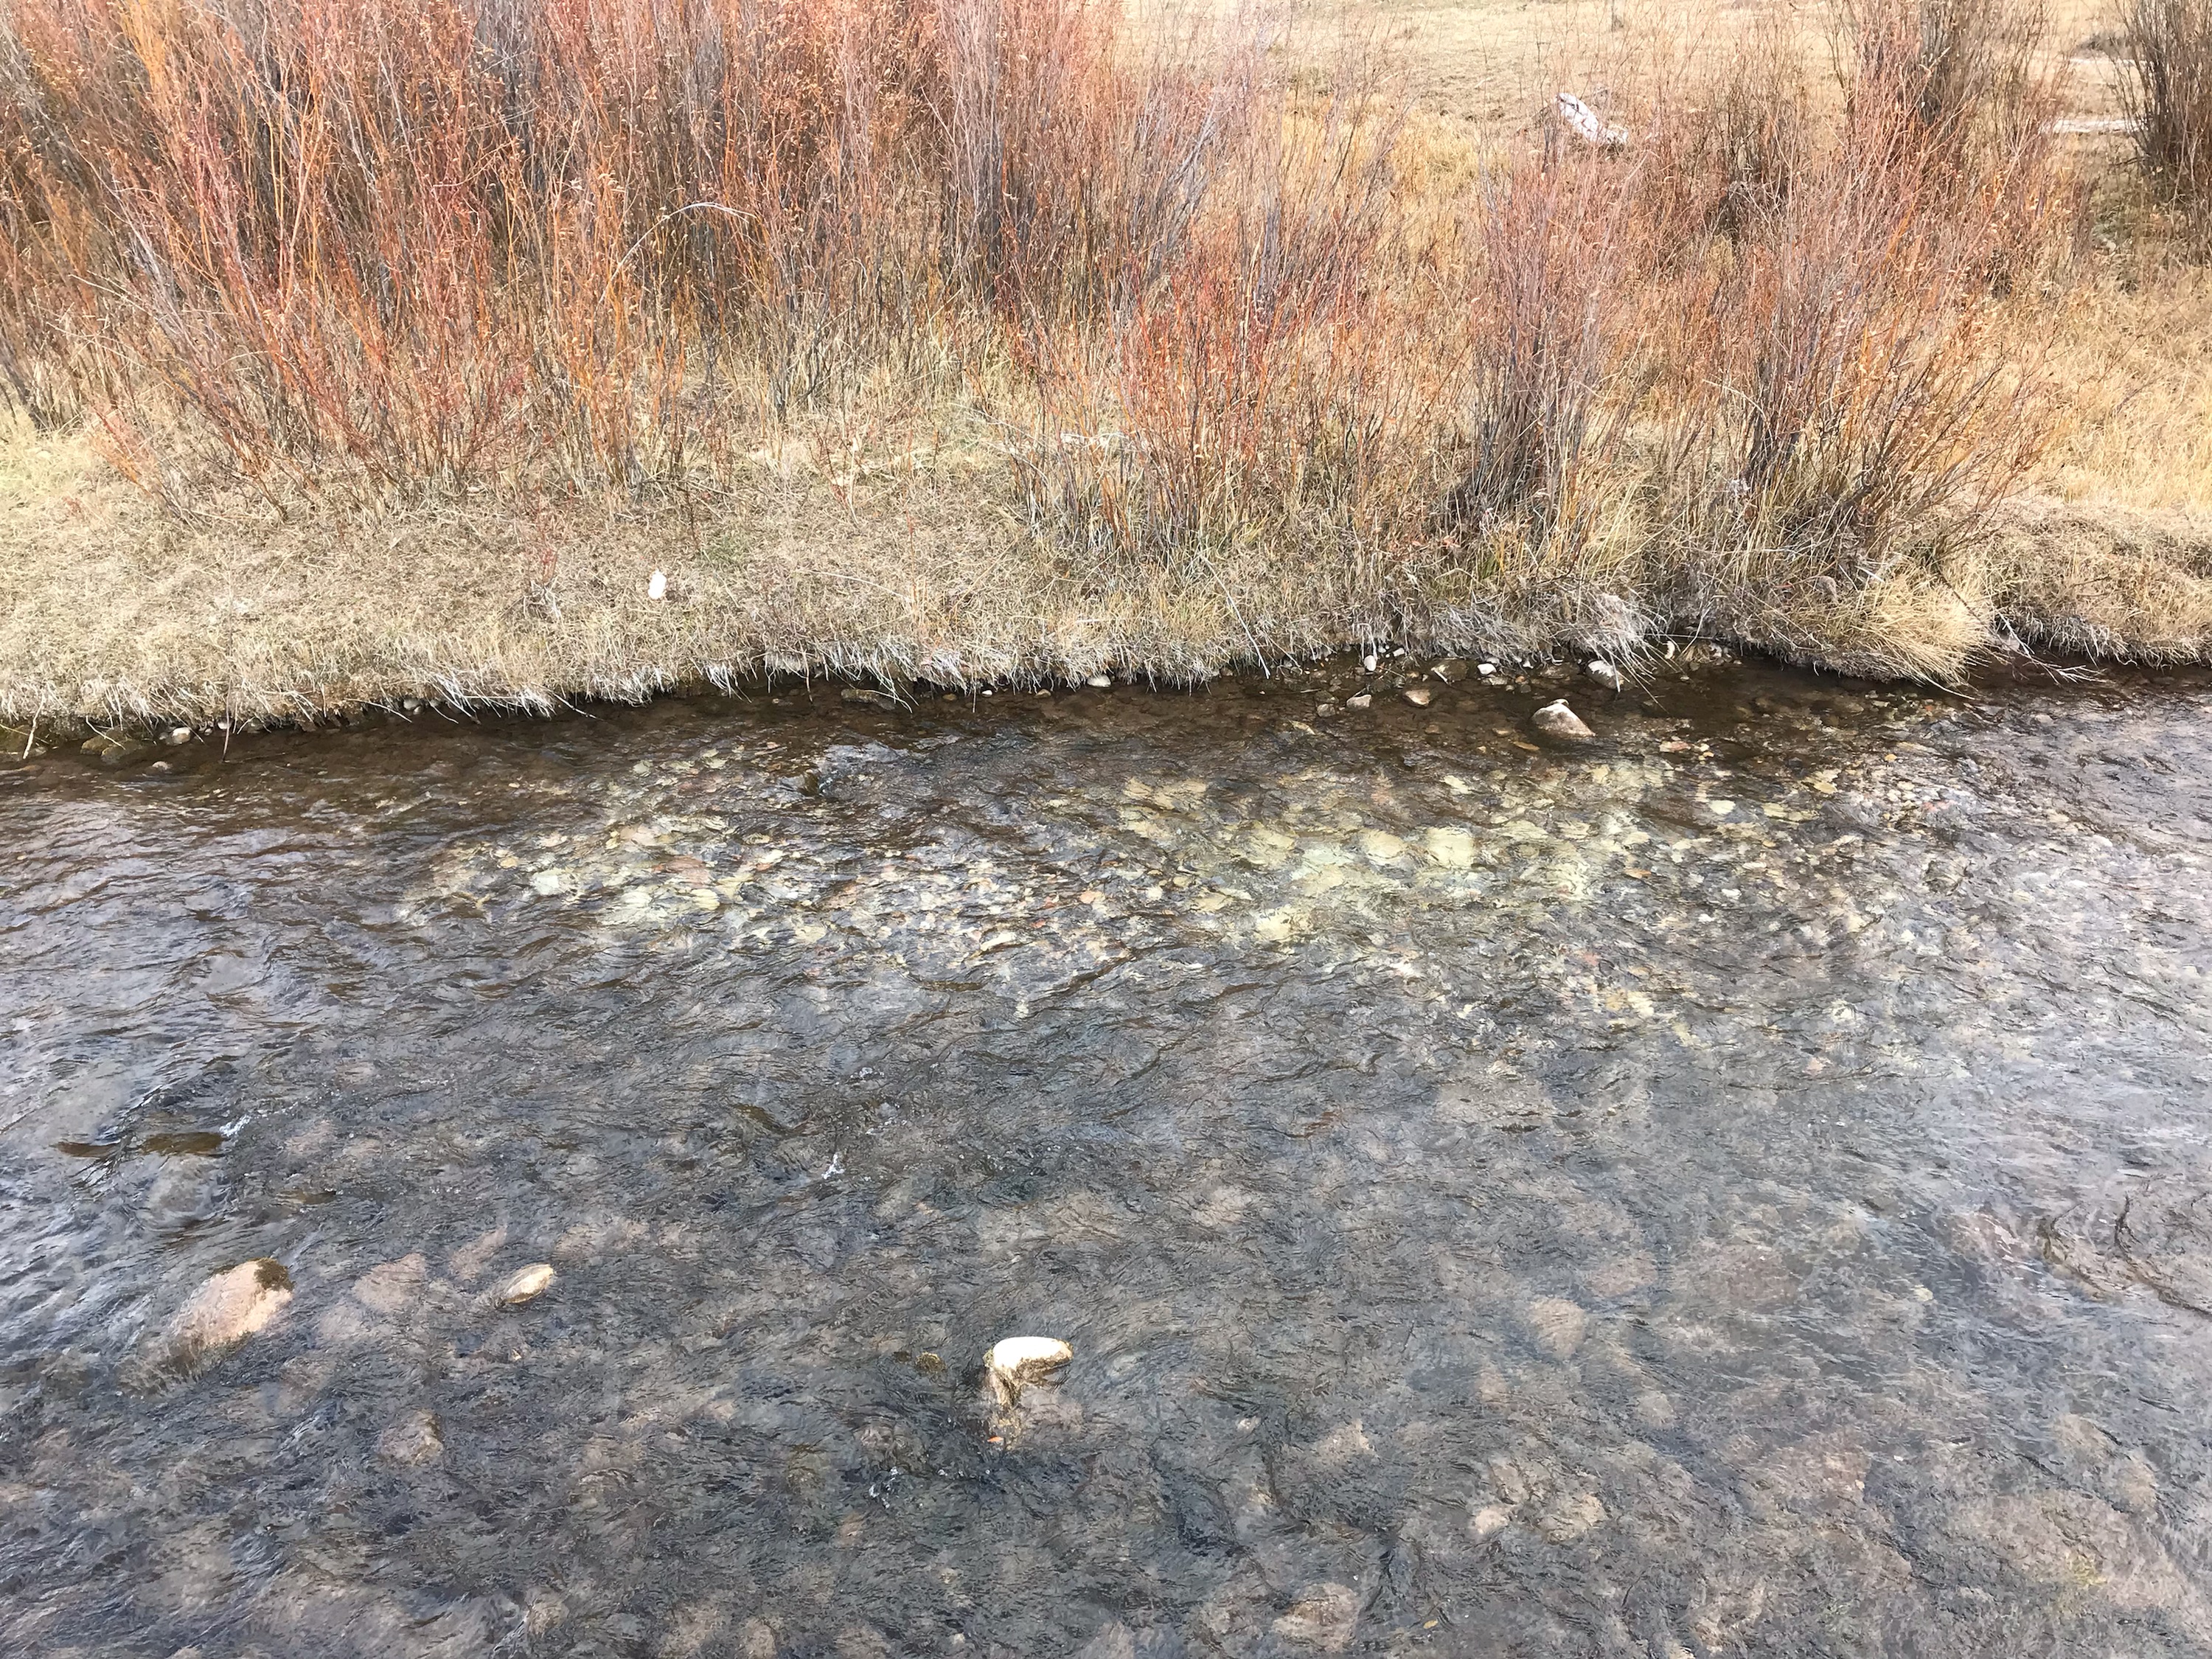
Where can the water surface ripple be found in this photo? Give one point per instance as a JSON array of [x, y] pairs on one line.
[[1741, 1188]]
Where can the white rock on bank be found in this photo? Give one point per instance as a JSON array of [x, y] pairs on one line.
[[1015, 1362], [1420, 696], [531, 1281], [1604, 673], [1561, 724]]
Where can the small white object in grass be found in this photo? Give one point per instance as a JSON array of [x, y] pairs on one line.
[[1604, 673], [179, 734], [1584, 123], [1367, 662], [532, 1281], [1486, 669], [1015, 1362], [657, 588], [1100, 681]]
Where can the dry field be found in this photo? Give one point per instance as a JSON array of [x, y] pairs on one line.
[[1016, 344]]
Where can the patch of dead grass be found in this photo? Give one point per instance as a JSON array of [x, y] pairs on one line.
[[114, 609]]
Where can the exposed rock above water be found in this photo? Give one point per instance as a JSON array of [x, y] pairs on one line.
[[1560, 724]]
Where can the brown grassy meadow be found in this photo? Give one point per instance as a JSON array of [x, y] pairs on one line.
[[383, 350]]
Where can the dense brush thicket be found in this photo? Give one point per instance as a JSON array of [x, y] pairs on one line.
[[1205, 308]]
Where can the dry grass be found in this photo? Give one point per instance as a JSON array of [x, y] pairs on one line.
[[385, 352], [2167, 86]]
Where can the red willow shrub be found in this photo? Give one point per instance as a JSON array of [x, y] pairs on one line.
[[441, 240], [2166, 84], [396, 248]]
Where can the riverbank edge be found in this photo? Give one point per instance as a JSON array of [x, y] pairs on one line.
[[118, 618]]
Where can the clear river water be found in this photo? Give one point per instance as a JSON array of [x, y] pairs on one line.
[[1738, 1187]]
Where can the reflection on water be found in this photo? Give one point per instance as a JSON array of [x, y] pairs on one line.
[[1740, 1187]]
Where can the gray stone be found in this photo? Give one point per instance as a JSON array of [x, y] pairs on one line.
[[1560, 724]]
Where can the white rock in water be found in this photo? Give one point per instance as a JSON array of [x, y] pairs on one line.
[[531, 1281], [222, 1313], [178, 734], [657, 588], [1017, 1361], [1604, 673], [1561, 724]]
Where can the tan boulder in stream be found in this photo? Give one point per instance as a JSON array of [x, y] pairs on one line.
[[222, 1313]]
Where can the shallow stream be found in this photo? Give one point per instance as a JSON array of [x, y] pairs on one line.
[[1742, 1187]]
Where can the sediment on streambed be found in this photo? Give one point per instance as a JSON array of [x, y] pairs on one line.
[[115, 614]]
